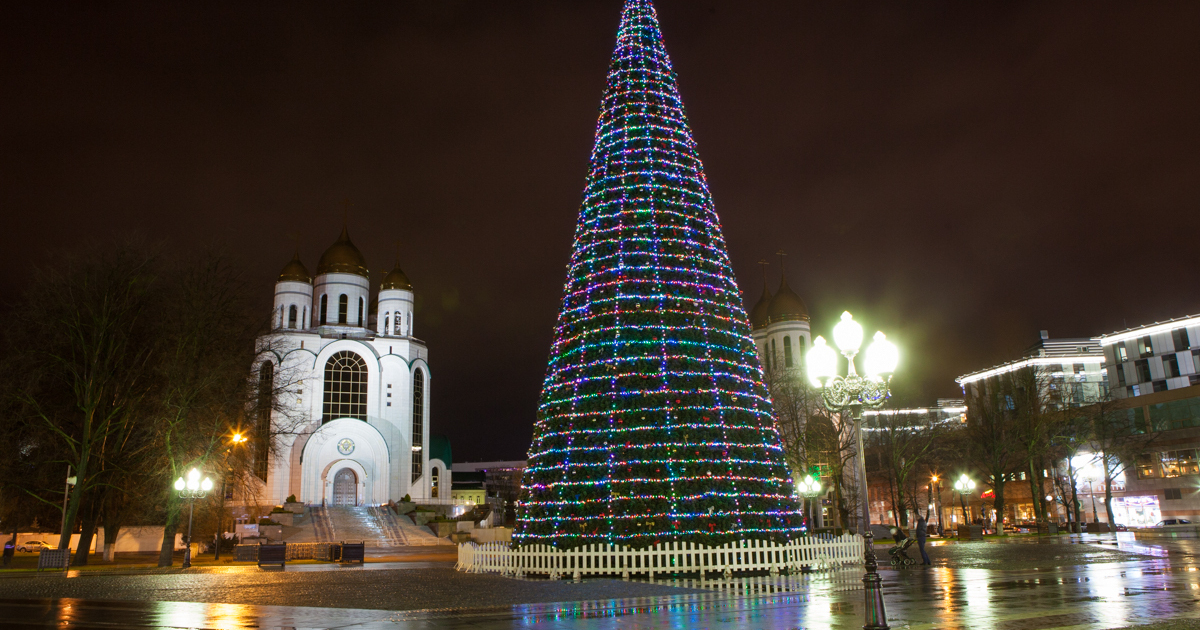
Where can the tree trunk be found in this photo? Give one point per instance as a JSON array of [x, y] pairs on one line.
[[1108, 511], [85, 541], [1038, 515], [112, 527], [1074, 496], [169, 531], [998, 503]]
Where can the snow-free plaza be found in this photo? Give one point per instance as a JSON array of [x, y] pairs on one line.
[[370, 445]]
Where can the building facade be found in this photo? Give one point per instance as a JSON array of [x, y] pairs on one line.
[[345, 389], [1154, 373]]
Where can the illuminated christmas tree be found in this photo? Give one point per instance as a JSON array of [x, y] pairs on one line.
[[654, 423]]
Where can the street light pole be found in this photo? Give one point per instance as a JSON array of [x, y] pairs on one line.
[[850, 393], [191, 489]]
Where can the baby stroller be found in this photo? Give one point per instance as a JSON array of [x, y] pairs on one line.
[[899, 554]]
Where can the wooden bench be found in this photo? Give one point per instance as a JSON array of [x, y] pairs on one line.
[[354, 552], [272, 554], [54, 559]]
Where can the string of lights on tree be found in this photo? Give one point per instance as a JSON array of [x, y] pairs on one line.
[[654, 424]]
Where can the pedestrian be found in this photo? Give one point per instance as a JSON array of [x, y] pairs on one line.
[[922, 534], [9, 548]]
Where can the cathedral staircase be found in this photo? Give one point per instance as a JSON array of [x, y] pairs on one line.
[[379, 527]]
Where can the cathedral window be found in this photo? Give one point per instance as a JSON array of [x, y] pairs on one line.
[[418, 422], [262, 429], [387, 324], [292, 316], [771, 358], [345, 387], [324, 308], [343, 308], [361, 311], [433, 482], [397, 330], [787, 352]]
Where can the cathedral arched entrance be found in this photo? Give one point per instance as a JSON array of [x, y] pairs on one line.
[[351, 445], [345, 488]]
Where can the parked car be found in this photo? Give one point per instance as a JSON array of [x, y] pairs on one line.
[[35, 545], [1173, 521]]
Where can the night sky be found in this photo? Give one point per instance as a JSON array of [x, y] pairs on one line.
[[960, 175]]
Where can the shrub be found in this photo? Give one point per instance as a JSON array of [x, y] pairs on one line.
[[266, 521], [291, 498], [407, 499]]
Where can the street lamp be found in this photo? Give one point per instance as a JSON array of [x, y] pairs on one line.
[[235, 439], [810, 488], [191, 489], [937, 500], [852, 393], [964, 486]]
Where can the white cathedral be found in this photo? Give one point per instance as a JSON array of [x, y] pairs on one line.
[[780, 328], [351, 426]]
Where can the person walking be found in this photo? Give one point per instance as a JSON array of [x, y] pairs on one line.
[[9, 548], [922, 534]]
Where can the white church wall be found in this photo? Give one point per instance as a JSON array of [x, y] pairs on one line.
[[334, 285]]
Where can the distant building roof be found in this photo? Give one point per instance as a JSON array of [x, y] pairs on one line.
[[1149, 329], [482, 466]]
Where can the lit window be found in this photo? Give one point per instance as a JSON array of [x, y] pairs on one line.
[[345, 387], [1180, 338], [418, 422]]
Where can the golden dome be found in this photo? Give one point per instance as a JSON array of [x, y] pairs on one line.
[[759, 316], [396, 280], [786, 305], [294, 271], [342, 257]]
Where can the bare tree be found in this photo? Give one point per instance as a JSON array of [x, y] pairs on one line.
[[1116, 436], [903, 442], [990, 438]]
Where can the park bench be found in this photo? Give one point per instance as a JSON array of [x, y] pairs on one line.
[[354, 552], [275, 553], [54, 559]]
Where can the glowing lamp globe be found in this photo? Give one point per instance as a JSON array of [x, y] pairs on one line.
[[822, 362], [180, 484], [193, 479], [206, 485], [882, 357], [848, 334]]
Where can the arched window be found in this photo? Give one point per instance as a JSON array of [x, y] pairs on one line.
[[324, 309], [292, 316], [433, 482], [397, 330], [343, 307], [787, 352], [345, 387], [387, 324], [262, 429], [361, 311], [418, 422], [771, 359]]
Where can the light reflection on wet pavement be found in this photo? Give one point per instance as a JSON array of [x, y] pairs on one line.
[[1050, 584]]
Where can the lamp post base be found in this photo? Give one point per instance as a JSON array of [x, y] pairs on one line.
[[876, 616]]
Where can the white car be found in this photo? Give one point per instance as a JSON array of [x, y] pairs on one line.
[[35, 545]]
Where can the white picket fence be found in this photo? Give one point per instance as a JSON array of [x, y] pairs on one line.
[[818, 552]]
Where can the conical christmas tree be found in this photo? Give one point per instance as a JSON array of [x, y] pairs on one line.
[[654, 423]]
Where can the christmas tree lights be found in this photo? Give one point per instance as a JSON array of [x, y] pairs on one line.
[[654, 424]]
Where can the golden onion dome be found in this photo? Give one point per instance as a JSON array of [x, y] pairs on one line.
[[294, 271], [396, 280], [343, 257], [759, 316], [786, 305]]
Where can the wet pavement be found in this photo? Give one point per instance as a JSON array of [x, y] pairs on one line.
[[1022, 584]]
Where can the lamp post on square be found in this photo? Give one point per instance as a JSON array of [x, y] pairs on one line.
[[851, 393], [191, 489]]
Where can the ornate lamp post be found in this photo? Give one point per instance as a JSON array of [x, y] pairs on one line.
[[963, 487], [852, 393], [191, 489], [810, 488]]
